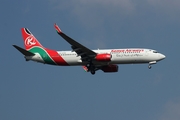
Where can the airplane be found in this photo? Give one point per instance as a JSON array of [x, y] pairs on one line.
[[106, 60]]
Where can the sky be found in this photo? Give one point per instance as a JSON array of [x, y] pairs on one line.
[[34, 91]]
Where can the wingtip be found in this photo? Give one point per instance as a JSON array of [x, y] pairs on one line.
[[85, 68], [57, 28], [14, 45]]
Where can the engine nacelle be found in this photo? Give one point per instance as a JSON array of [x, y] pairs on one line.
[[103, 57], [110, 68]]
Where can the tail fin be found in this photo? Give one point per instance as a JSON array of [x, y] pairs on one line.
[[29, 39]]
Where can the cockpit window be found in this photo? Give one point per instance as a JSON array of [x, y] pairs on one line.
[[155, 51]]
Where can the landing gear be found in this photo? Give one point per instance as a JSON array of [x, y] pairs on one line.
[[151, 63], [149, 66], [93, 72], [91, 68]]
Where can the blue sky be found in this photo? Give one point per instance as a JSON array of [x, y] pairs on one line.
[[33, 91]]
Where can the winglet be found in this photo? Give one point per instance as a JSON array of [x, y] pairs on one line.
[[85, 68], [57, 28]]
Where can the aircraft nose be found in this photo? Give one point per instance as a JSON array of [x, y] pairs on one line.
[[162, 56]]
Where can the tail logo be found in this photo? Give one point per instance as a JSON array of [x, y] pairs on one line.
[[30, 41]]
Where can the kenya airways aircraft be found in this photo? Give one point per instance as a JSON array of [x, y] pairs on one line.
[[91, 60]]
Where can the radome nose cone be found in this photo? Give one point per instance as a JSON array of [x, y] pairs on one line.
[[163, 56]]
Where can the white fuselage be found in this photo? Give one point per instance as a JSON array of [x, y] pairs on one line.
[[119, 56]]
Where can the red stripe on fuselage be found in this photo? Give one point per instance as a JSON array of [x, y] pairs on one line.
[[56, 57]]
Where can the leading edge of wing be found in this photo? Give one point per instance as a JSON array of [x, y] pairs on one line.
[[75, 44]]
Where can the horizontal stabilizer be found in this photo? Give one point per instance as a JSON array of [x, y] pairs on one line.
[[23, 51]]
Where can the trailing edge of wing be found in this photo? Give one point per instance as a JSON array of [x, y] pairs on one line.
[[23, 51], [75, 45]]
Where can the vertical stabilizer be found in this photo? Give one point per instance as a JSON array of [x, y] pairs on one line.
[[29, 39]]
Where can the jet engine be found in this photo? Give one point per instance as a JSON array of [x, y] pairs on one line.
[[103, 57], [110, 68]]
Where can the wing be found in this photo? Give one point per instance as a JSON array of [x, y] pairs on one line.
[[85, 53]]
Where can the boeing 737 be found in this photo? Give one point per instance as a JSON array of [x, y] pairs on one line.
[[106, 60]]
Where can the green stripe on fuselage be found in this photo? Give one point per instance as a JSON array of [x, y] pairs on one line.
[[47, 59]]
